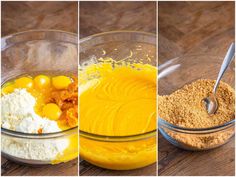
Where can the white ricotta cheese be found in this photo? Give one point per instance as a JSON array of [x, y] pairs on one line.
[[15, 107], [32, 124], [18, 114], [45, 150]]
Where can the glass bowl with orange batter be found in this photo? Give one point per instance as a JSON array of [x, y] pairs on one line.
[[117, 91], [42, 66]]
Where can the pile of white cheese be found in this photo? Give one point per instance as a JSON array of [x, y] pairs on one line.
[[17, 114]]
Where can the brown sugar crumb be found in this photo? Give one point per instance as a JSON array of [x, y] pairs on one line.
[[204, 141], [67, 100], [40, 131], [184, 107]]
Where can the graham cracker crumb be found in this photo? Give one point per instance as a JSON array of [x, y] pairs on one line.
[[184, 107]]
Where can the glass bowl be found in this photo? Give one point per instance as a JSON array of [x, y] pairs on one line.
[[174, 74], [30, 53], [118, 152]]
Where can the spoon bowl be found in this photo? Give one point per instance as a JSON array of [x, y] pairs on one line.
[[211, 103]]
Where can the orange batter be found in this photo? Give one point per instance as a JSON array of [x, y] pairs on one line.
[[118, 101]]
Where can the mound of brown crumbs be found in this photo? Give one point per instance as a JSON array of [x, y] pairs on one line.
[[185, 108]]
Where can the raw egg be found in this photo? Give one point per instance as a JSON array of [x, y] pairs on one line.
[[24, 82], [42, 81], [52, 111], [61, 82]]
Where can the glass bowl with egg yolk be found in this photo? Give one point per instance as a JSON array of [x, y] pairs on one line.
[[44, 64], [117, 91]]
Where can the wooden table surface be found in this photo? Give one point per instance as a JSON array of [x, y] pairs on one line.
[[97, 17], [22, 16], [194, 28]]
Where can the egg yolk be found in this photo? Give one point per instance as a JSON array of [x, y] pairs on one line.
[[8, 89], [61, 82], [52, 111], [24, 82], [42, 81]]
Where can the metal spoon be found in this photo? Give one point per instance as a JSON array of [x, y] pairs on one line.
[[211, 102]]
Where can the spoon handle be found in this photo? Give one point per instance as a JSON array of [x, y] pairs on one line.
[[228, 58]]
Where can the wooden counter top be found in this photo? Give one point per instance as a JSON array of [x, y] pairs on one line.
[[23, 16]]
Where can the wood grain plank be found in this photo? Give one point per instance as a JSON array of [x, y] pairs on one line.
[[9, 168], [177, 162], [87, 169], [23, 16], [97, 17], [194, 27]]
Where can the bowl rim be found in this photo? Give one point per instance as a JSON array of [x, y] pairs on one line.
[[116, 32], [125, 138], [16, 134], [11, 133], [37, 30], [163, 122]]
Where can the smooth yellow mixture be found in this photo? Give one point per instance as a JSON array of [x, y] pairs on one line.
[[41, 87], [118, 100]]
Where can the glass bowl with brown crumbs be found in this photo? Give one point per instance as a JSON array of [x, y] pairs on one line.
[[182, 118]]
